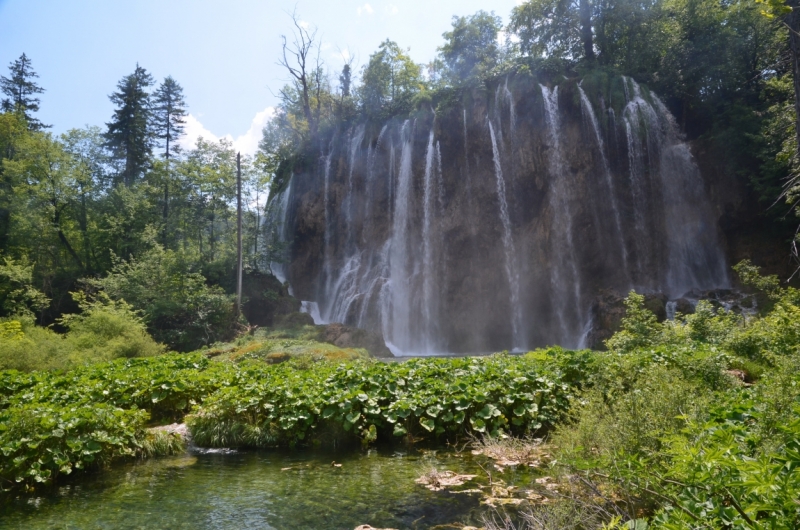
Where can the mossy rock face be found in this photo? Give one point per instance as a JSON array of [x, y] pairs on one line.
[[349, 337], [294, 320], [277, 357]]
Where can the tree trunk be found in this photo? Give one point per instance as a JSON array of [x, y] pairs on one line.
[[586, 29], [166, 192]]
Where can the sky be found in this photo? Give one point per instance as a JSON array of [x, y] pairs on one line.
[[224, 54]]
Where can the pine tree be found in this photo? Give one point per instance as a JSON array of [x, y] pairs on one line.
[[129, 134], [20, 89], [169, 113]]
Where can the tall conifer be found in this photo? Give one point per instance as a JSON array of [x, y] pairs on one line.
[[169, 114], [169, 118], [129, 134], [21, 90]]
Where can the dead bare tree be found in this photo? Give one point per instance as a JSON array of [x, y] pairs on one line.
[[302, 60]]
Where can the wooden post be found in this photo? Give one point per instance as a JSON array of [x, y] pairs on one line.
[[238, 233]]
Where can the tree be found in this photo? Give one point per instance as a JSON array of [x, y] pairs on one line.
[[169, 113], [306, 69], [471, 48], [555, 28], [390, 80], [129, 135], [345, 80], [21, 89]]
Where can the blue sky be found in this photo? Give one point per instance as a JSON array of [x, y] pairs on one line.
[[223, 53]]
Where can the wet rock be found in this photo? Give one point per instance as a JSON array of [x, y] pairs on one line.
[[684, 306], [266, 299], [350, 337]]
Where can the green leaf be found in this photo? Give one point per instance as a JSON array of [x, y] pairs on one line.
[[478, 424], [427, 423]]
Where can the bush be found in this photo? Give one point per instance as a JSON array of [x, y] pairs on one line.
[[31, 347], [632, 421], [177, 305], [166, 386], [284, 405], [39, 442], [105, 330]]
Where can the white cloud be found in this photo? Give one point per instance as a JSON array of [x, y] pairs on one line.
[[246, 143], [303, 24], [366, 8], [391, 10]]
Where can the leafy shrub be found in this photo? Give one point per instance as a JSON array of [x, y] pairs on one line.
[[177, 305], [41, 441], [32, 347], [105, 330], [639, 326], [18, 296], [166, 386], [631, 421], [283, 405]]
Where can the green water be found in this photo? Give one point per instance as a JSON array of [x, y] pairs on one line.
[[254, 490]]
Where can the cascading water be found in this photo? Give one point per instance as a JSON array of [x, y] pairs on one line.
[[565, 279], [397, 328], [508, 245], [444, 242], [276, 218], [586, 107], [427, 243]]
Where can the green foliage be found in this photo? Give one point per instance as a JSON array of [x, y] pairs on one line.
[[177, 305], [165, 386], [283, 405], [32, 347], [18, 296], [639, 326], [666, 428], [390, 81], [105, 330], [471, 50], [39, 442]]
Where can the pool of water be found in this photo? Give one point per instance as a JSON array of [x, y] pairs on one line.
[[259, 490]]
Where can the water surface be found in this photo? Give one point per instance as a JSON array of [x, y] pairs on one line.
[[265, 490]]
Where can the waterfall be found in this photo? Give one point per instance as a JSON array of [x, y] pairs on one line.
[[508, 245], [564, 277], [397, 304], [588, 111], [663, 172], [398, 231], [277, 219], [326, 251], [427, 244], [356, 140]]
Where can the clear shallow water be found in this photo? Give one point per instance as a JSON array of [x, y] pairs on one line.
[[253, 490]]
